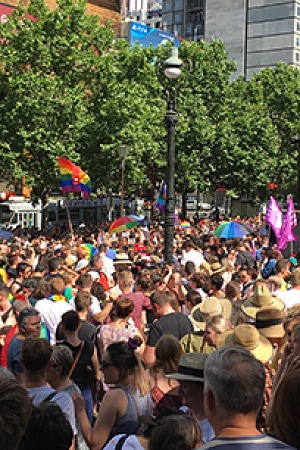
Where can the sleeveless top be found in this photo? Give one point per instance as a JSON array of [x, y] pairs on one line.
[[128, 423]]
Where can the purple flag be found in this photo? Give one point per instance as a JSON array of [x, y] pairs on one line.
[[292, 213], [274, 216], [290, 221]]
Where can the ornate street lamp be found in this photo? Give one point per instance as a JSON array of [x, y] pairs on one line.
[[123, 152], [172, 71]]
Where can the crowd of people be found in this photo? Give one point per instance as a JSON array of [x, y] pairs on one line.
[[104, 346]]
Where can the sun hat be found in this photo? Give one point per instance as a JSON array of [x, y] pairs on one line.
[[71, 260], [82, 264], [122, 258], [209, 307], [205, 265], [261, 297], [191, 367], [247, 336], [269, 322], [216, 267]]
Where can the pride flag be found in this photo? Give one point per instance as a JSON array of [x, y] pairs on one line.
[[73, 178], [162, 197], [274, 217], [290, 221]]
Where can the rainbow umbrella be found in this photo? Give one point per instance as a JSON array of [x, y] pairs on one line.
[[185, 224], [125, 223], [230, 230]]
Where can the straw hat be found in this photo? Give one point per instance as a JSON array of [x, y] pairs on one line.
[[261, 297], [269, 322], [191, 367], [122, 258], [71, 260], [216, 267], [211, 306], [247, 336], [205, 265]]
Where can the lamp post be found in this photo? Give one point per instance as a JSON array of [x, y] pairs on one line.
[[123, 152], [172, 71], [296, 141]]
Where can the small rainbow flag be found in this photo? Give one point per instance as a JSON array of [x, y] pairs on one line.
[[162, 197], [73, 178]]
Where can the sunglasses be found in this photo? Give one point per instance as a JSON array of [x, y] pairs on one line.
[[105, 364]]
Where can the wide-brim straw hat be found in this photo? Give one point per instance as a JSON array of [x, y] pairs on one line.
[[211, 306], [269, 322], [122, 258], [261, 298], [247, 336], [216, 267], [191, 367]]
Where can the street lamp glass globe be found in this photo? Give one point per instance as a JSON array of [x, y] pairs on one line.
[[173, 64], [172, 72]]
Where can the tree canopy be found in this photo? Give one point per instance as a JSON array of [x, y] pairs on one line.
[[70, 89]]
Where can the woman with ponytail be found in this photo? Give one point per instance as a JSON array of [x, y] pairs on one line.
[[127, 399]]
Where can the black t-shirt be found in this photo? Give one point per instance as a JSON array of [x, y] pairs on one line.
[[81, 374], [87, 331], [176, 324]]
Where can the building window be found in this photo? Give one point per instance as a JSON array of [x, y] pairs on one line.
[[298, 25], [178, 4], [297, 56], [297, 41], [168, 6], [178, 17], [168, 19]]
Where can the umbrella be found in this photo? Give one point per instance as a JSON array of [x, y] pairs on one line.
[[229, 230], [246, 225], [185, 224], [5, 234], [125, 223]]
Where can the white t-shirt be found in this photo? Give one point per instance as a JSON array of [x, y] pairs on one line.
[[51, 313], [194, 256], [290, 297]]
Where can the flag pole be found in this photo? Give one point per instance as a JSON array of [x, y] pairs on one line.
[[69, 219]]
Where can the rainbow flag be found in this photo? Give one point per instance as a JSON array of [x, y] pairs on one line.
[[73, 178], [162, 197]]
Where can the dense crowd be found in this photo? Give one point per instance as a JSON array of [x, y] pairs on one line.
[[104, 346]]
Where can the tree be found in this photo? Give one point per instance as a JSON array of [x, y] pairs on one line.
[[47, 66], [280, 90]]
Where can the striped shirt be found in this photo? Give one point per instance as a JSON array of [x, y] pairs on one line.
[[262, 442]]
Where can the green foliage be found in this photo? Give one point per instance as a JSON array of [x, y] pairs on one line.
[[70, 89]]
